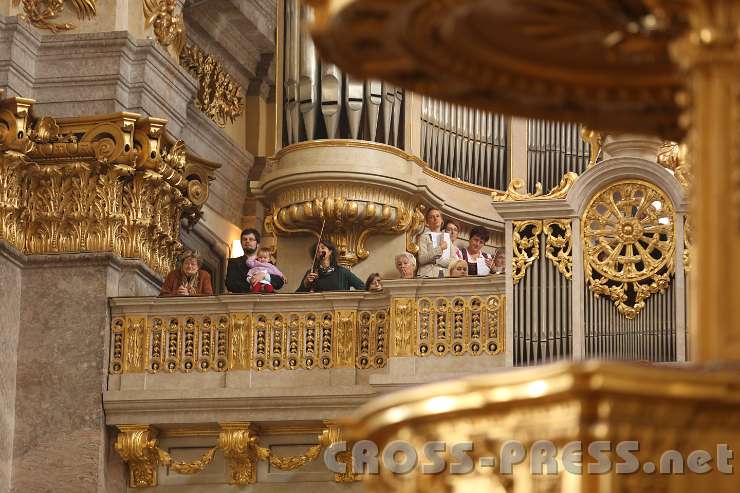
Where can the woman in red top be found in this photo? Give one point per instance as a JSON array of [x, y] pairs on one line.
[[189, 279]]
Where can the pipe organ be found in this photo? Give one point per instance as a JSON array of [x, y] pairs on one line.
[[322, 102], [554, 149], [598, 268], [467, 144]]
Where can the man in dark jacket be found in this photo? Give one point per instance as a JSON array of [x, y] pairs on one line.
[[236, 274]]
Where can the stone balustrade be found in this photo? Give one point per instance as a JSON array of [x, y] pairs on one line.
[[423, 318]]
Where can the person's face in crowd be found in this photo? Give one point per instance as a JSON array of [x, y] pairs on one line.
[[405, 267], [459, 270], [324, 252], [434, 220], [190, 266], [499, 261], [263, 257], [453, 231], [376, 284], [249, 244], [476, 244]]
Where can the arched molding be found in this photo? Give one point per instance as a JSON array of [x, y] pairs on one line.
[[621, 168]]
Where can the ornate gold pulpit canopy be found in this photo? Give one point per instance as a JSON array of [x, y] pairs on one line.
[[604, 63], [666, 68]]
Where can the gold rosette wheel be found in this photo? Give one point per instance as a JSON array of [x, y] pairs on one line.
[[629, 243]]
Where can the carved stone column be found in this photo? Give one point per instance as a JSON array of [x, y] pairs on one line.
[[90, 207]]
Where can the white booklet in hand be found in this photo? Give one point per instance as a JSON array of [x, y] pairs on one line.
[[483, 269], [437, 238]]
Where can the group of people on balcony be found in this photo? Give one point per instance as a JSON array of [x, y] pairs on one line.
[[254, 272]]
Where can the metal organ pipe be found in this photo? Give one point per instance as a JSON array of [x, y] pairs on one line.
[[328, 102]]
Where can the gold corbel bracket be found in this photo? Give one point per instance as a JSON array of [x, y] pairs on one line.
[[236, 439], [331, 435], [137, 446]]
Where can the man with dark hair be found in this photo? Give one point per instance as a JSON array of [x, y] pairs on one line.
[[236, 274]]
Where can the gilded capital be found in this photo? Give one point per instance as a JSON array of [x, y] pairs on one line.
[[106, 183]]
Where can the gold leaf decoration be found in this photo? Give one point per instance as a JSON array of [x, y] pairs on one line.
[[526, 242], [674, 157], [513, 192], [219, 95], [629, 244], [168, 27], [111, 183], [559, 245], [41, 13]]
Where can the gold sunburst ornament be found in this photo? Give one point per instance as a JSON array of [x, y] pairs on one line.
[[40, 13], [629, 243]]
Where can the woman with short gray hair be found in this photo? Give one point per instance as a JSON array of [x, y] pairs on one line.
[[406, 265]]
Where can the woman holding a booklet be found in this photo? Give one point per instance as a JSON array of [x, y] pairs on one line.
[[434, 247]]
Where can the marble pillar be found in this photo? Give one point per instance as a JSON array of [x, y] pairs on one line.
[[55, 322], [10, 303]]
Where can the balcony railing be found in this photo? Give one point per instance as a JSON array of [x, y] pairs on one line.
[[360, 330]]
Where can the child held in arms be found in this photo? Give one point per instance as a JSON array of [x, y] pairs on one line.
[[260, 270]]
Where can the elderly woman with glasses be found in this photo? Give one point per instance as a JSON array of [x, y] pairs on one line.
[[188, 279]]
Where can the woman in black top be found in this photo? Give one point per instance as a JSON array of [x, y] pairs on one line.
[[327, 275]]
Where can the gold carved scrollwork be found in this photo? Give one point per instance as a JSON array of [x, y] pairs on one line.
[[513, 194], [674, 157], [559, 245], [403, 324], [239, 442], [331, 435], [349, 214], [169, 28], [526, 247], [41, 13], [596, 141], [236, 440], [219, 95], [416, 228], [137, 446], [629, 244], [110, 183]]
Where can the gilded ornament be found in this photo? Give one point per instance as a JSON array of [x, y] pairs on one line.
[[513, 194], [168, 27], [674, 157], [331, 435], [403, 325], [629, 244], [235, 440], [308, 340], [219, 95], [416, 228], [594, 139], [616, 74], [526, 241], [109, 183], [179, 467], [348, 214], [41, 13], [559, 245], [137, 446]]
